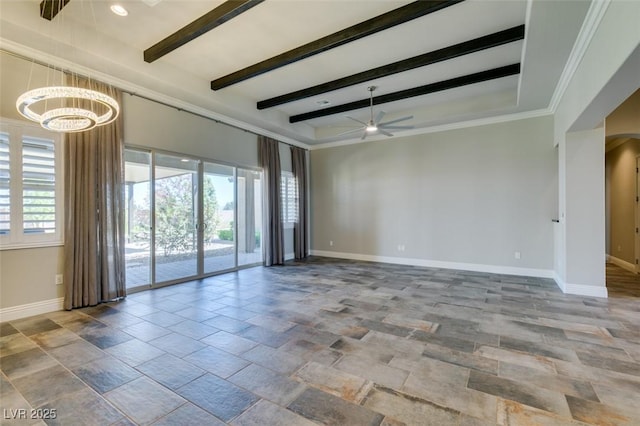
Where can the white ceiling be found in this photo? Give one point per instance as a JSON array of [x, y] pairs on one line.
[[86, 33]]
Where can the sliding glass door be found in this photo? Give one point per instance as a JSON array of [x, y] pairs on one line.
[[218, 226], [188, 218]]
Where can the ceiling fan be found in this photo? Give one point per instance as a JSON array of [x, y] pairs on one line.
[[375, 125]]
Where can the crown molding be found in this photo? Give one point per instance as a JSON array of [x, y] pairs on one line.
[[527, 26], [443, 128], [595, 14]]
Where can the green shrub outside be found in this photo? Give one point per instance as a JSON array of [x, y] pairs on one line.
[[225, 234]]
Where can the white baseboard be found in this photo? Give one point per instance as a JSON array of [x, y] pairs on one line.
[[581, 289], [36, 308], [622, 263], [586, 290], [492, 269]]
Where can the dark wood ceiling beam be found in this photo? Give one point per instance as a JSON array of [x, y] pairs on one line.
[[216, 17], [410, 93], [449, 52], [371, 26], [50, 8]]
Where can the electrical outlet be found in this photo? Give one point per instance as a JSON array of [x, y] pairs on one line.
[[517, 255], [58, 279], [400, 247], [331, 243]]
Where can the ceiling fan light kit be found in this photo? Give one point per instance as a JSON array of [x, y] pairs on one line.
[[371, 125], [375, 125]]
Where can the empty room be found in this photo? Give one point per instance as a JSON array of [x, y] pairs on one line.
[[320, 212]]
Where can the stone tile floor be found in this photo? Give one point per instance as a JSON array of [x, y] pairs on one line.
[[333, 342]]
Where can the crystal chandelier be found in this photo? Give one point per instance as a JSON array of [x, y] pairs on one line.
[[80, 109], [69, 107]]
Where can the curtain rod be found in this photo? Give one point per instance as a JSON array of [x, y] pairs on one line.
[[197, 114], [68, 71]]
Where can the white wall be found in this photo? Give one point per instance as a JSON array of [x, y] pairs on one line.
[[584, 213], [607, 74], [27, 276], [153, 125], [466, 198]]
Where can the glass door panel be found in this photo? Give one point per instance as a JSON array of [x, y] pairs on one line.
[[249, 217], [218, 202], [137, 172], [176, 209]]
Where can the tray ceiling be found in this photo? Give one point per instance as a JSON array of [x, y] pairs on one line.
[[449, 38]]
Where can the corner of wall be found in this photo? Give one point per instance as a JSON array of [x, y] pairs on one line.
[[580, 289]]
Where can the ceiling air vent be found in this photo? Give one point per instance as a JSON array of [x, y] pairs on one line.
[[151, 2]]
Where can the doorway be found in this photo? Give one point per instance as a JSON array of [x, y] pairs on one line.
[[637, 214], [622, 161], [182, 218]]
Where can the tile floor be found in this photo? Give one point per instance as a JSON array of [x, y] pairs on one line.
[[331, 342], [622, 283]]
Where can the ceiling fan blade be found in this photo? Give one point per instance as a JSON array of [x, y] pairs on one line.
[[349, 131], [379, 116], [356, 120], [364, 135], [397, 120], [383, 126], [384, 133]]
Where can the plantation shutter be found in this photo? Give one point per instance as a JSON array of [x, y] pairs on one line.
[[38, 186], [5, 182], [289, 193]]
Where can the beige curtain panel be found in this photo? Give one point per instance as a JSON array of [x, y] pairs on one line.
[[300, 227], [94, 211], [269, 160]]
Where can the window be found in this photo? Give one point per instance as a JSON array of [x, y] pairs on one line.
[[30, 186], [289, 195]]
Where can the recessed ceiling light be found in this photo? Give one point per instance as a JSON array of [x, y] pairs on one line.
[[323, 102], [119, 10]]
